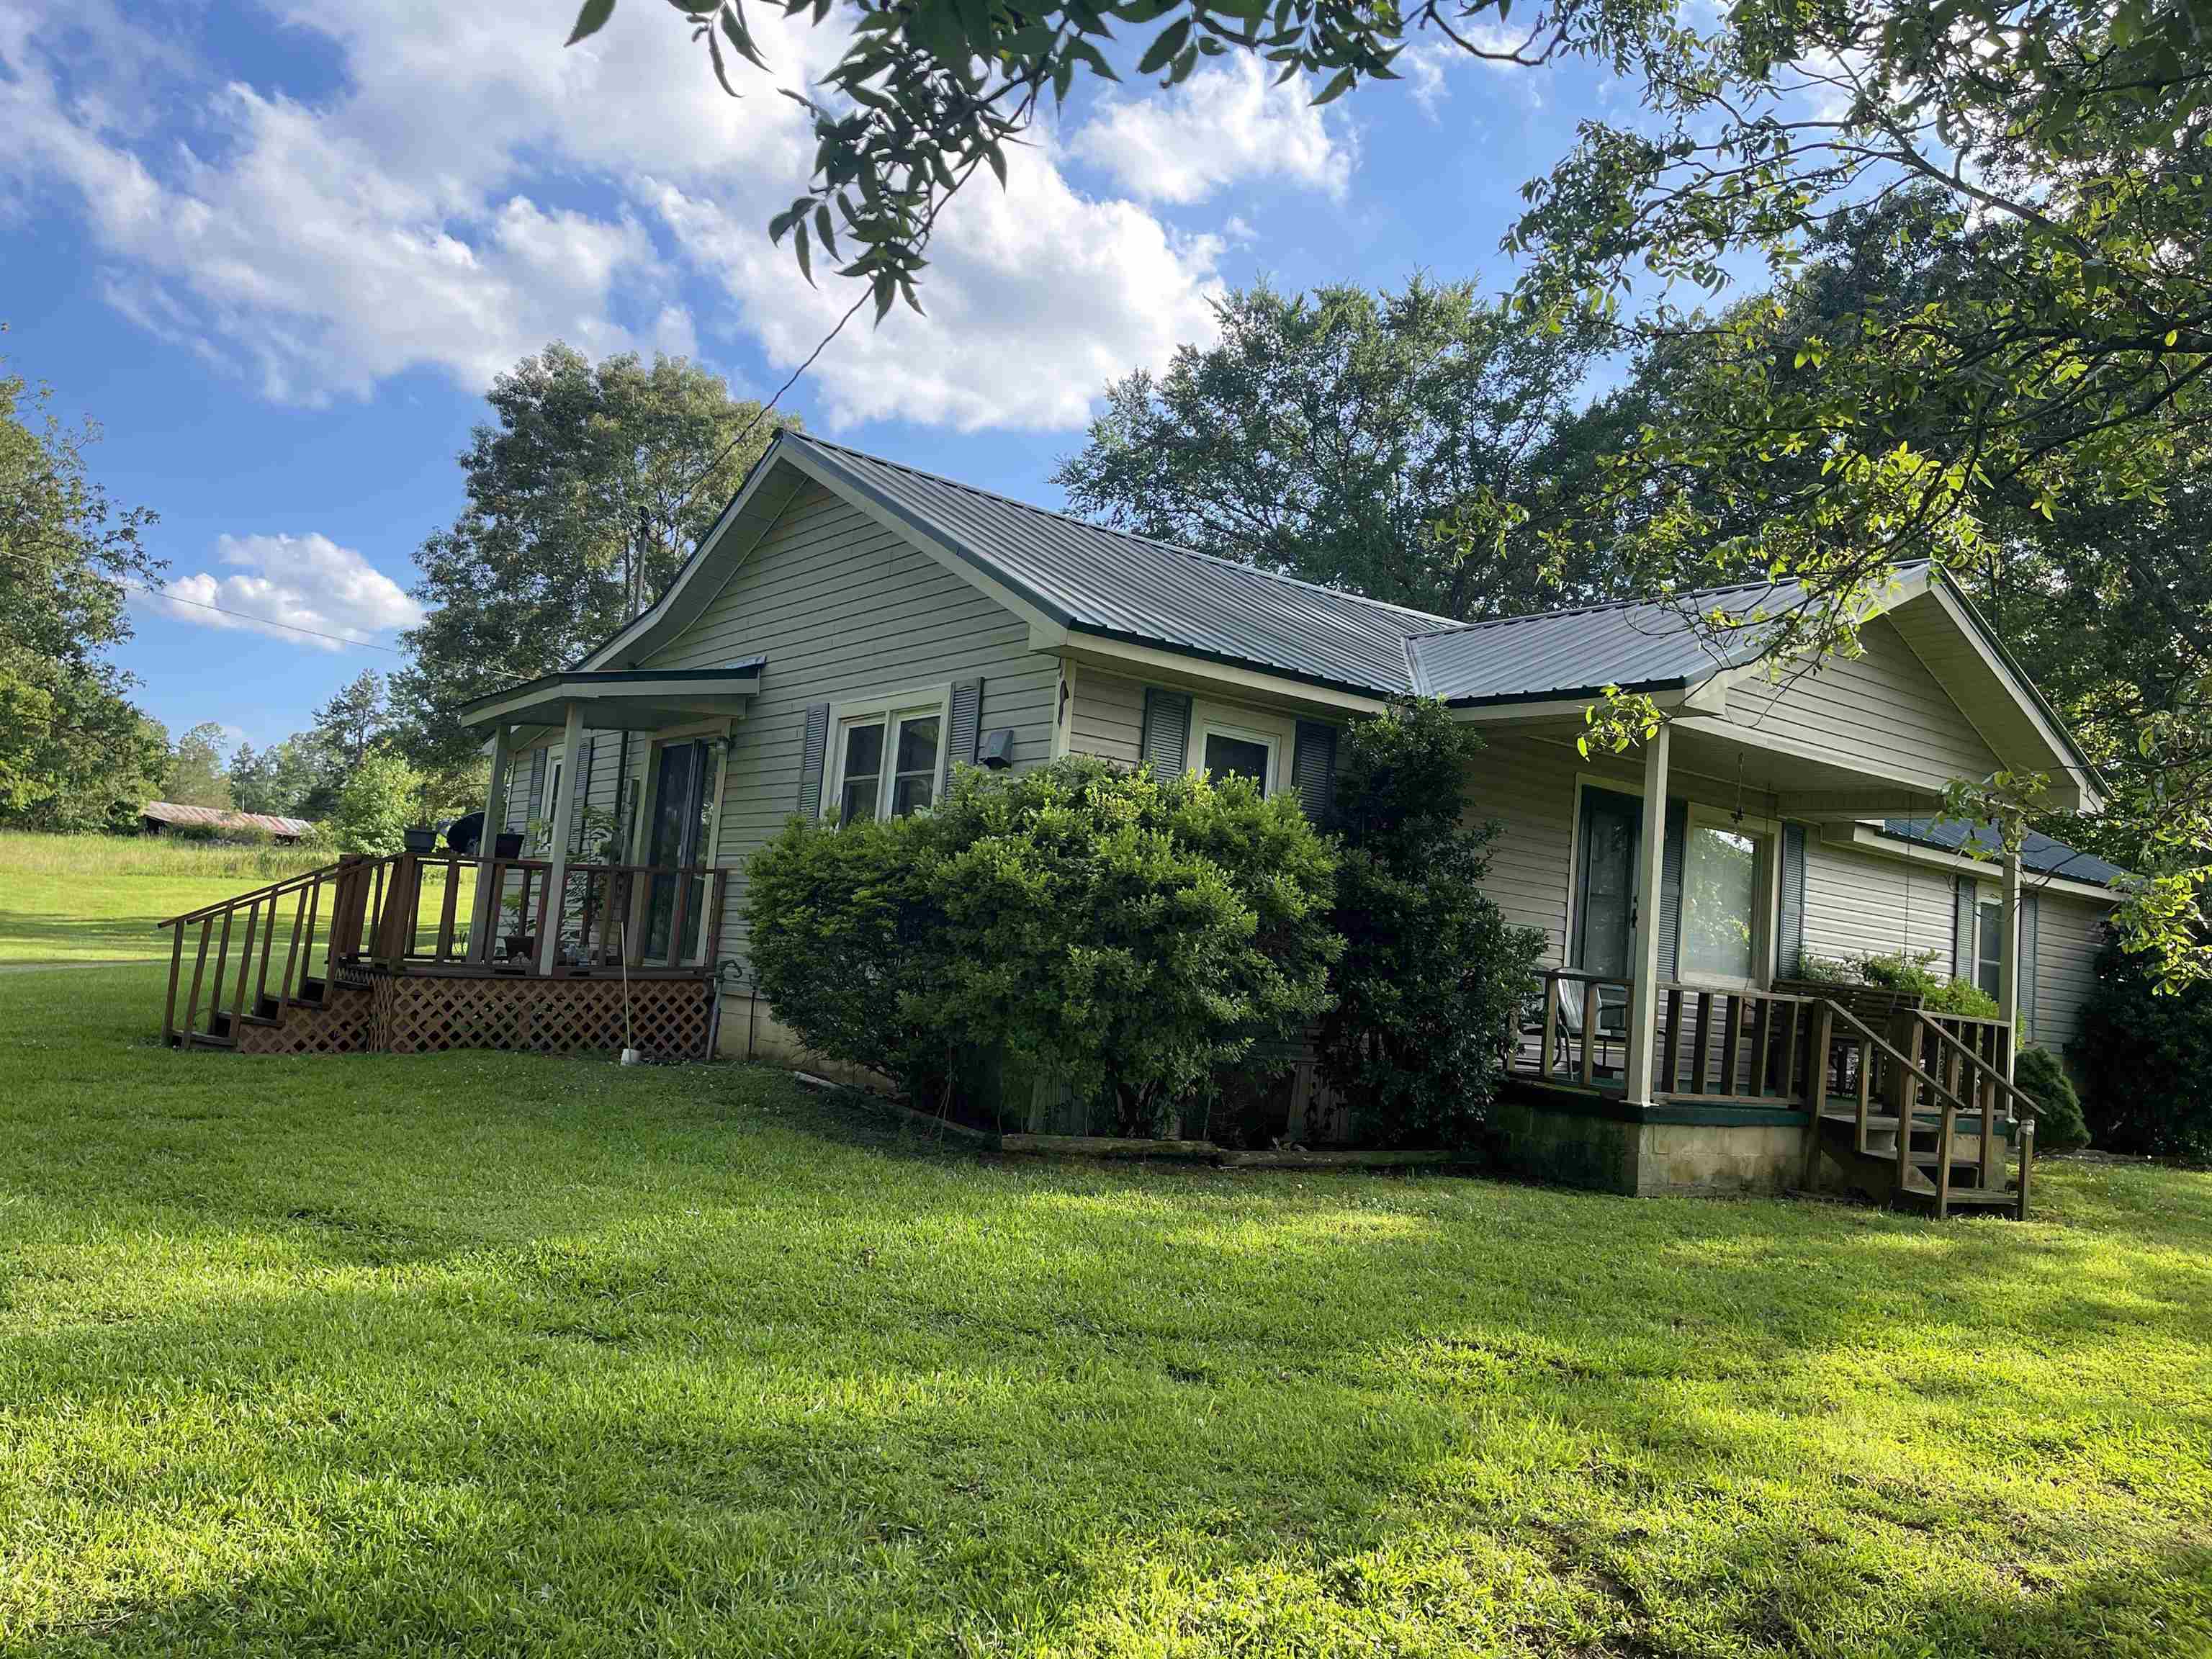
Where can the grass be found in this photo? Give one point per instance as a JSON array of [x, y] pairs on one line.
[[98, 898], [500, 1354]]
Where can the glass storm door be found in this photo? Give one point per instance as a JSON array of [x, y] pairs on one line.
[[683, 805], [1605, 941]]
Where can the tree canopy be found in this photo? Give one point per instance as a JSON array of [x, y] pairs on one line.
[[1426, 447], [75, 754], [586, 490]]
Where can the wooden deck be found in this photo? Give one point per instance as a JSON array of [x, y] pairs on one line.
[[378, 954], [1919, 1113]]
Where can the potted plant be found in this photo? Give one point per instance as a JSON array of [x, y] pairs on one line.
[[507, 844]]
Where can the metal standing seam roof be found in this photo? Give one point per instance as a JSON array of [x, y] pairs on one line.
[[2039, 852], [1110, 582]]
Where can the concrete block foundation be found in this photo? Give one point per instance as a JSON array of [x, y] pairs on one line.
[[1606, 1146]]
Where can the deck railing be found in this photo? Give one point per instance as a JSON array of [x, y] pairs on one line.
[[252, 956], [1935, 1085]]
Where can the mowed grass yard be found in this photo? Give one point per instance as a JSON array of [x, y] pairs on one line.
[[100, 898], [501, 1354]]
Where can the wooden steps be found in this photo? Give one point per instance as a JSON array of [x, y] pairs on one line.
[[1916, 1184]]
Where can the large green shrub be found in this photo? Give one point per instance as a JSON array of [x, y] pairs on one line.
[[1130, 936], [1133, 937], [2146, 1059], [2059, 1126], [1432, 975], [845, 940]]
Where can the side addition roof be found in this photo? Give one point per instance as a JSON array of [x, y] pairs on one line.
[[2037, 853]]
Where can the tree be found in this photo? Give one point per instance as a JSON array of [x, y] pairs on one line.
[[348, 726], [196, 776], [1432, 975], [376, 805], [74, 753], [297, 777], [586, 492], [1426, 447]]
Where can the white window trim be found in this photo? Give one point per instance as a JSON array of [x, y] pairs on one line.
[[1769, 830], [884, 706], [1279, 735], [1767, 875]]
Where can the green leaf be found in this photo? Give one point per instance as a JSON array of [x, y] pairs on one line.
[[591, 19], [1165, 44]]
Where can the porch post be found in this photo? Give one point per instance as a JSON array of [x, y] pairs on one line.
[[2009, 961], [1650, 873], [483, 912], [564, 815]]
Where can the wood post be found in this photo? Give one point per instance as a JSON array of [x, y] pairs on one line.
[[1816, 1089], [1643, 970], [1551, 1021], [564, 819], [483, 912]]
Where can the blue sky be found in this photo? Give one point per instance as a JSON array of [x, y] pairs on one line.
[[278, 254]]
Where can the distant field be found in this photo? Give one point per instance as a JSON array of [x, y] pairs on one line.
[[97, 898]]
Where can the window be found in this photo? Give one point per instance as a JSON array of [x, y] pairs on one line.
[[1723, 933], [887, 760], [1241, 742], [1989, 947]]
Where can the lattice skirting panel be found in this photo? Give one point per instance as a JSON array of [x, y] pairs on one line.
[[422, 1014], [344, 1024], [427, 1014]]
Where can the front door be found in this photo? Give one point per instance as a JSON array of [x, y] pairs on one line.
[[683, 790], [1607, 913]]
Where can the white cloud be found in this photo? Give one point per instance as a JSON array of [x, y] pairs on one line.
[[1228, 123], [474, 191], [307, 581]]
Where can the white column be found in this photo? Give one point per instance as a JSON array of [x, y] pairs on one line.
[[2008, 959], [484, 914], [564, 815], [1650, 873]]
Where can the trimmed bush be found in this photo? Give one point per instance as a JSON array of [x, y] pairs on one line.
[[2146, 1059], [2059, 1126], [1432, 976], [844, 933], [1136, 939]]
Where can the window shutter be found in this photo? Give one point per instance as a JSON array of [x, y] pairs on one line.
[[1165, 744], [810, 761], [1313, 769], [967, 722], [536, 788], [1670, 888], [1789, 955], [583, 796], [1962, 927], [2030, 920]]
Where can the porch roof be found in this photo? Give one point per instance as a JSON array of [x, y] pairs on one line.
[[636, 699]]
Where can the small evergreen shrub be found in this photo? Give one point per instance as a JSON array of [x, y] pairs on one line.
[[2059, 1126], [2146, 1059], [1432, 977]]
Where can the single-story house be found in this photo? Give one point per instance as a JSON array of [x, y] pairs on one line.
[[157, 816], [851, 628]]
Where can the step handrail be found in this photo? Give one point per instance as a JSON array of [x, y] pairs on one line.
[[2012, 1090], [1868, 1034], [273, 889]]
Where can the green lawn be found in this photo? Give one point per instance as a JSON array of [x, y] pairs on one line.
[[98, 898], [501, 1354]]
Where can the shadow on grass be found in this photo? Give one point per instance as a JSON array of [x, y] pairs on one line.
[[497, 1353]]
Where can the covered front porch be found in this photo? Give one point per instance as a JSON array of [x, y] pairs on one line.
[[532, 942], [1676, 1047]]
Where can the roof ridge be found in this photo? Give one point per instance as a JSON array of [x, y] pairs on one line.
[[1129, 535]]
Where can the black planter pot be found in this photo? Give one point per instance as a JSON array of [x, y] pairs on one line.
[[507, 844], [523, 947], [423, 839]]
